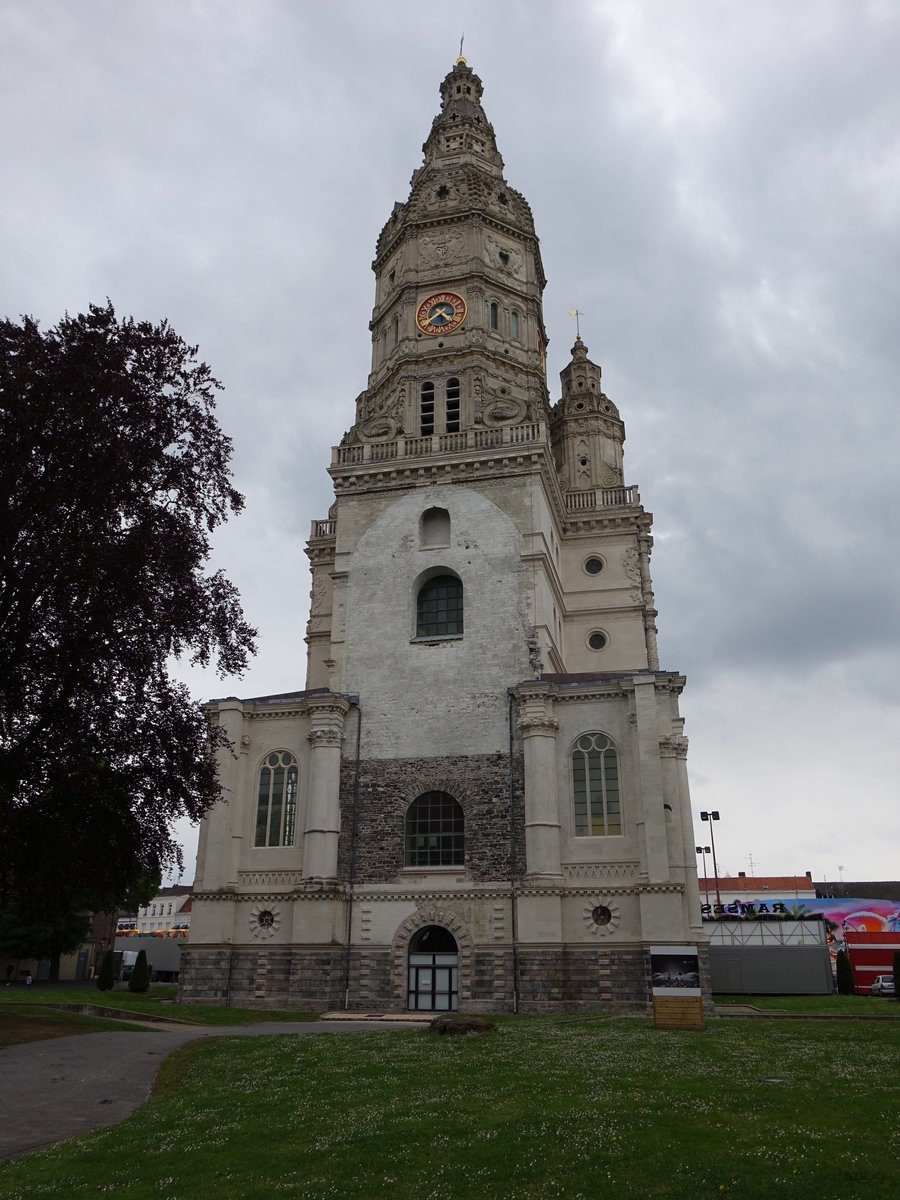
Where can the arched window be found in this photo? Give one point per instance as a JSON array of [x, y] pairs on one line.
[[439, 607], [396, 330], [595, 787], [426, 410], [435, 835], [434, 528], [495, 316], [514, 325], [276, 807], [452, 412]]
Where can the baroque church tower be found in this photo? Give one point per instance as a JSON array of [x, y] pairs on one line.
[[480, 799]]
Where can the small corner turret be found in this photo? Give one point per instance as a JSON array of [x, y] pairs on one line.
[[586, 430]]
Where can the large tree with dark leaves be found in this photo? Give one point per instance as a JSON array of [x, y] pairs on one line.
[[113, 474]]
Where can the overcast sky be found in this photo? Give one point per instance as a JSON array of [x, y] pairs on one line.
[[715, 185]]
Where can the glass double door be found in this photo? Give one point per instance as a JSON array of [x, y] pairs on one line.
[[433, 982]]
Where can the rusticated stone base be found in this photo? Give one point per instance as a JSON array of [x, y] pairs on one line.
[[305, 978], [556, 979], [584, 979]]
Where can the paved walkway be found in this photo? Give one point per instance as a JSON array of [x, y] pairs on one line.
[[54, 1090]]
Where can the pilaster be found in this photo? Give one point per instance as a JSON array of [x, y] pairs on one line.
[[538, 728], [323, 812], [652, 826]]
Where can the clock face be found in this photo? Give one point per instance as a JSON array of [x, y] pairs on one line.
[[441, 313]]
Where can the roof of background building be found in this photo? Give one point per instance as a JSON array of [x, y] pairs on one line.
[[752, 884], [886, 889]]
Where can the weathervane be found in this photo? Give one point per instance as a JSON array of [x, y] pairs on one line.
[[577, 314]]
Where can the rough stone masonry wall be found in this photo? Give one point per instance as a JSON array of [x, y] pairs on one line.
[[305, 978], [570, 977], [387, 787]]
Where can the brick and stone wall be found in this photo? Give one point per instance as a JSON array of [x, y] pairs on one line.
[[387, 787], [576, 978], [305, 978]]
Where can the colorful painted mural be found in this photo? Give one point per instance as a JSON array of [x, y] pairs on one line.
[[860, 915], [849, 925]]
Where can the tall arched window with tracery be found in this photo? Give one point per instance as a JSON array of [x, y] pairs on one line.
[[435, 832], [595, 787], [276, 802]]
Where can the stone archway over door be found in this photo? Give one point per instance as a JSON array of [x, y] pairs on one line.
[[433, 971], [445, 919]]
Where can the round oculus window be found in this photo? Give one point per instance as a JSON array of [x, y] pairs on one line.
[[594, 566], [597, 640], [601, 915]]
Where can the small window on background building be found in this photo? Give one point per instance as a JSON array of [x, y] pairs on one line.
[[276, 806], [452, 406], [426, 410], [439, 607]]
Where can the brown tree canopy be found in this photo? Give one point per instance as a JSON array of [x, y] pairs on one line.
[[113, 474]]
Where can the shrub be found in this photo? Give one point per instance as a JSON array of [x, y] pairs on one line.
[[140, 976], [107, 975], [844, 974]]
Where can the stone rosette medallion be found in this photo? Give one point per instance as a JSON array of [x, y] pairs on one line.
[[264, 922], [602, 916]]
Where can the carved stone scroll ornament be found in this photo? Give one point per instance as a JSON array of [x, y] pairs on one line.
[[379, 429], [384, 417], [504, 410], [612, 476], [632, 565]]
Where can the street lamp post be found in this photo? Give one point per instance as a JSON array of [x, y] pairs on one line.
[[713, 816], [703, 851]]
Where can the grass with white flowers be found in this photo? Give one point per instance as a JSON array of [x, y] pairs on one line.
[[544, 1107]]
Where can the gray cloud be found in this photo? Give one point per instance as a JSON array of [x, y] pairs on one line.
[[716, 186]]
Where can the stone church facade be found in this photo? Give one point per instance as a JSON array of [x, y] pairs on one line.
[[480, 798]]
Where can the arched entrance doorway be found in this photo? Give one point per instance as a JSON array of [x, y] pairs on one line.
[[433, 971]]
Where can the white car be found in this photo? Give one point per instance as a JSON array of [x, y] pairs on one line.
[[882, 985]]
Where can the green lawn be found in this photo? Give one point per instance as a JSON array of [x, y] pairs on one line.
[[832, 1006], [158, 1001], [541, 1108], [25, 1023]]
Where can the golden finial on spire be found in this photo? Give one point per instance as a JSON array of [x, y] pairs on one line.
[[577, 314], [461, 62]]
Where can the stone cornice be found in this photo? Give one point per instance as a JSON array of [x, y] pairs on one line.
[[392, 895]]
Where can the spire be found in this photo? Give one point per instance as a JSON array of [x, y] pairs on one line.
[[461, 131]]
